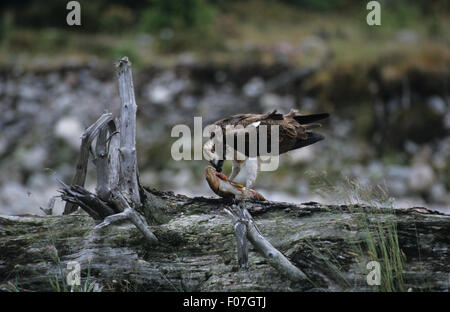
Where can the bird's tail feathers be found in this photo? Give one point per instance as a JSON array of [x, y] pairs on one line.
[[306, 119]]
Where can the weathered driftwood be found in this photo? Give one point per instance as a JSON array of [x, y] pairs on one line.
[[129, 185], [50, 205], [116, 164], [130, 214], [113, 157], [101, 163], [245, 227], [107, 161], [86, 140], [197, 249], [89, 202], [240, 232]]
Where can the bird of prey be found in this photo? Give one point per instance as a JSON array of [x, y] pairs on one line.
[[294, 132]]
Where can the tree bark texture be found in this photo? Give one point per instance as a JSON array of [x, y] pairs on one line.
[[196, 248]]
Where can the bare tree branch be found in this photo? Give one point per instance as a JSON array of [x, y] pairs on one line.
[[86, 139], [113, 156], [128, 214], [89, 202], [128, 166], [245, 226], [101, 163]]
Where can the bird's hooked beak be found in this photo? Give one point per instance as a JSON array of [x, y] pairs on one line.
[[209, 150], [217, 164]]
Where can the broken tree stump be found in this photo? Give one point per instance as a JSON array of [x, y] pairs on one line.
[[118, 189]]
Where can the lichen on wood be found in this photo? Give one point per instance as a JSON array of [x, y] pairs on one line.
[[197, 249]]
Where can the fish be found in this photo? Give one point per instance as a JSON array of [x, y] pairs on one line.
[[223, 187]]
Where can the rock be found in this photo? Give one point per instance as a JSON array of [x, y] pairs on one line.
[[16, 199], [160, 94], [164, 87], [271, 101], [166, 34], [397, 187], [301, 155], [440, 160], [187, 59], [33, 159], [308, 104], [182, 177], [421, 177], [303, 188], [70, 130], [411, 147], [220, 76], [440, 194], [397, 180], [437, 105], [376, 170], [423, 156], [342, 128], [149, 178], [313, 45], [398, 172], [254, 87], [407, 36], [62, 102]]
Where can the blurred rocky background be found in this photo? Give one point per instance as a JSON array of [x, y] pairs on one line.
[[386, 87]]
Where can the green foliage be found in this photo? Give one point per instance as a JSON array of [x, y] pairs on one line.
[[186, 14], [318, 5], [58, 281], [117, 19], [125, 50], [376, 223], [400, 13], [6, 24]]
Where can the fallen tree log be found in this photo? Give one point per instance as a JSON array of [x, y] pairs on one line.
[[196, 249]]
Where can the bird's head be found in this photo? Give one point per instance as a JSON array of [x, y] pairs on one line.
[[212, 155]]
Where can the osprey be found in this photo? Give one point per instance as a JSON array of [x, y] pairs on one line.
[[294, 131]]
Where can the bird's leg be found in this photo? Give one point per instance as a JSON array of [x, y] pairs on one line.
[[237, 165], [252, 171]]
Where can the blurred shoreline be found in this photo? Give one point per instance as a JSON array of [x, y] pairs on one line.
[[387, 90]]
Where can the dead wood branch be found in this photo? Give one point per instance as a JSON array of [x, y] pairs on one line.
[[245, 228], [129, 185], [89, 202], [131, 215], [195, 249], [115, 160], [240, 232], [86, 139], [107, 161]]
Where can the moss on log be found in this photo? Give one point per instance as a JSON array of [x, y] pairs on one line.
[[332, 244]]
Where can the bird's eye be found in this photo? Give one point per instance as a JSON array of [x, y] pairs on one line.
[[213, 135]]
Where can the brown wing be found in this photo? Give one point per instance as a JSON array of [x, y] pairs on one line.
[[292, 133], [306, 123]]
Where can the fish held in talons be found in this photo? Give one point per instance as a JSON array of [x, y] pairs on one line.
[[223, 187]]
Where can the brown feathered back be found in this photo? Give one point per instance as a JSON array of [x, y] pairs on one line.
[[294, 129]]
